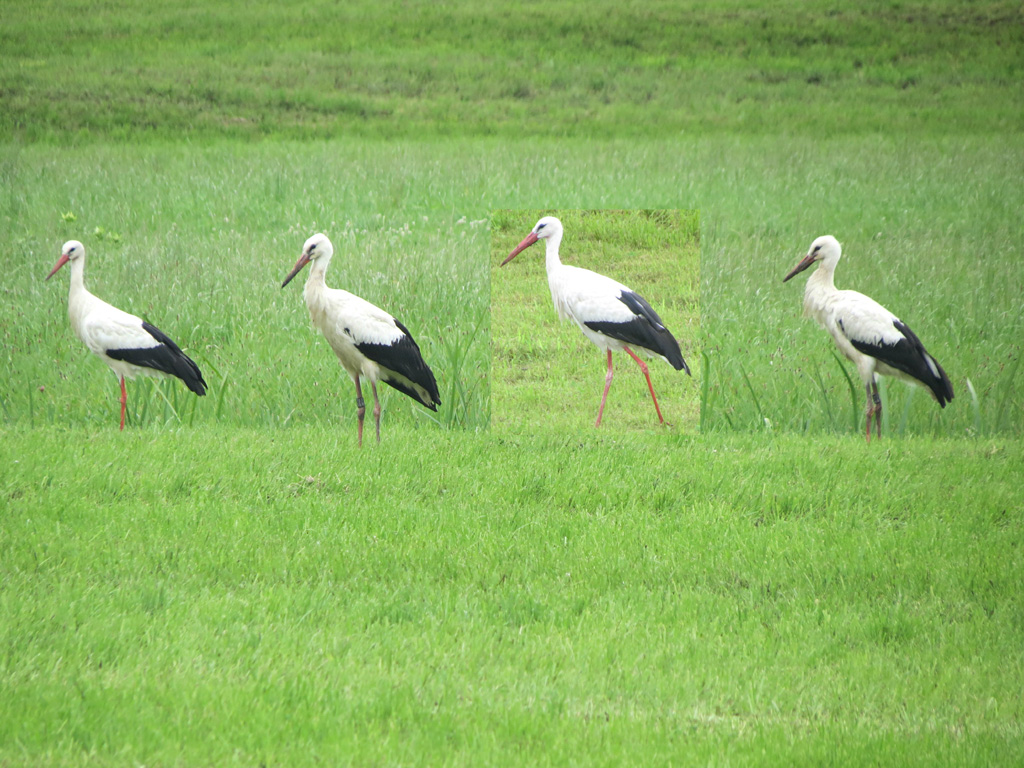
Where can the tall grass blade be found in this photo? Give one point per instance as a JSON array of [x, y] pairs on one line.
[[854, 410], [824, 396], [167, 402], [705, 392], [753, 395], [1005, 393], [975, 407], [144, 393], [906, 410], [222, 391]]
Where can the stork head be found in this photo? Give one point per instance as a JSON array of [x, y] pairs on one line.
[[547, 227], [72, 250], [825, 248], [317, 247]]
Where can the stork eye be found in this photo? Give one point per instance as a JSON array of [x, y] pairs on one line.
[[541, 226]]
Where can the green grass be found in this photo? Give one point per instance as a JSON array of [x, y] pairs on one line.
[[546, 372], [926, 230], [81, 71], [207, 234], [204, 240], [227, 595], [231, 581]]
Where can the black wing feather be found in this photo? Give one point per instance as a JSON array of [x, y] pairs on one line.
[[166, 358], [645, 330], [403, 358], [910, 356]]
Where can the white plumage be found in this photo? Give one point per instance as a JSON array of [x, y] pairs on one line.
[[611, 315], [869, 335], [125, 343], [369, 343]]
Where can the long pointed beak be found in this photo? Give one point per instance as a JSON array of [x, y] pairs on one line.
[[64, 259], [529, 240], [303, 261], [804, 264]]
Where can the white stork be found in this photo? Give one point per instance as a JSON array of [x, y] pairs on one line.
[[870, 336], [129, 345], [368, 341], [609, 314]]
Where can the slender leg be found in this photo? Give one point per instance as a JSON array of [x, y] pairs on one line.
[[868, 412], [376, 407], [878, 408], [124, 402], [607, 386], [360, 410], [643, 367], [874, 409]]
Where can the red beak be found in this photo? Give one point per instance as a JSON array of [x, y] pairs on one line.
[[303, 261], [529, 240], [64, 259], [804, 264]]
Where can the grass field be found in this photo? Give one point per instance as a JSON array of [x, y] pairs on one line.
[[75, 71], [239, 596], [232, 581]]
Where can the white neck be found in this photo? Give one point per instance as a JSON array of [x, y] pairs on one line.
[[77, 276], [316, 284], [823, 277], [551, 259]]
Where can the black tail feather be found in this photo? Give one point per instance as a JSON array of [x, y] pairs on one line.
[[402, 361], [166, 357], [645, 330]]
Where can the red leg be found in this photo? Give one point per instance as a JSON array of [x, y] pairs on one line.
[[643, 367], [376, 407], [124, 402], [607, 386]]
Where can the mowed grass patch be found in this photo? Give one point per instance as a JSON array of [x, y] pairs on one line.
[[566, 68], [229, 595], [546, 372]]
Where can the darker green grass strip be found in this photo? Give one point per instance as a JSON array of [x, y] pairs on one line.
[[561, 69]]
